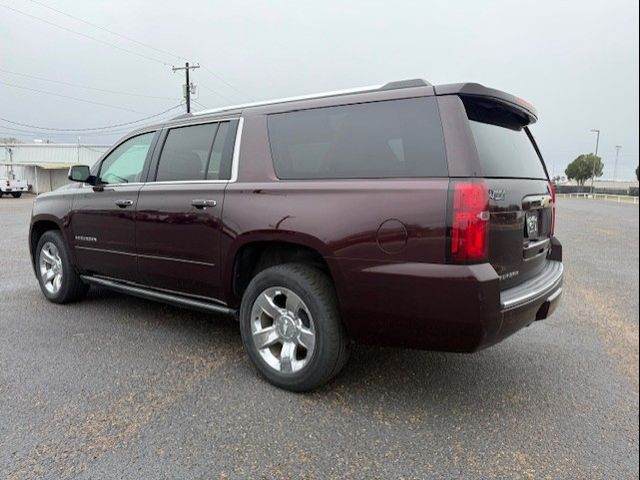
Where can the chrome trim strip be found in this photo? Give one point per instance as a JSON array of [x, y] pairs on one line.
[[111, 185], [183, 182], [290, 99], [235, 159], [158, 296], [189, 122], [170, 259], [105, 250], [151, 257], [545, 283]]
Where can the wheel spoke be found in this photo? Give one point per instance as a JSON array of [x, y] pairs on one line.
[[265, 302], [57, 281], [293, 303], [287, 356], [48, 257], [307, 339], [266, 337], [48, 275]]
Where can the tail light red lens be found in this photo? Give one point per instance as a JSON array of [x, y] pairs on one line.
[[470, 222], [552, 189]]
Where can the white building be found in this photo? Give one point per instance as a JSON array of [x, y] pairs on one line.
[[45, 165]]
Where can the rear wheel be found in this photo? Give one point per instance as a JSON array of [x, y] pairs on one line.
[[59, 281], [291, 327], [16, 194]]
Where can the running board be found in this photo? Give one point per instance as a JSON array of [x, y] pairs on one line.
[[163, 297]]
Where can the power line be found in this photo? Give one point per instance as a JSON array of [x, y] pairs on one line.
[[70, 97], [217, 93], [85, 86], [85, 35], [199, 104], [212, 73], [108, 30], [90, 129], [18, 131], [146, 45]]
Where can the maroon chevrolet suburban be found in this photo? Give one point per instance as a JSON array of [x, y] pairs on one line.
[[406, 214]]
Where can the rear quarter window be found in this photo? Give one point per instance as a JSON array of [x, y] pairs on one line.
[[388, 139]]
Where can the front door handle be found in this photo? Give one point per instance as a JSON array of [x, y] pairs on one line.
[[124, 203], [202, 203]]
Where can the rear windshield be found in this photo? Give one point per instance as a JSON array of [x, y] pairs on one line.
[[389, 139], [505, 152]]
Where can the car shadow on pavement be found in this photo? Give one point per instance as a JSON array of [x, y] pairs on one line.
[[505, 376]]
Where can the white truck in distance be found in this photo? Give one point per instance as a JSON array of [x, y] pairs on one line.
[[12, 187]]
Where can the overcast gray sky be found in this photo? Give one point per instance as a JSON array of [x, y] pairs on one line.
[[576, 61]]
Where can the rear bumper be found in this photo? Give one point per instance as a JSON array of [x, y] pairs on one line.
[[457, 308], [535, 299]]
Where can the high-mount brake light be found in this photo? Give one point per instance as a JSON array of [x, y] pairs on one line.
[[470, 222]]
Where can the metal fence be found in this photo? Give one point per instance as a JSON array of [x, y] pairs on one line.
[[602, 196]]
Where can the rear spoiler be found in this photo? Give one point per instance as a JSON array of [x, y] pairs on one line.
[[517, 105]]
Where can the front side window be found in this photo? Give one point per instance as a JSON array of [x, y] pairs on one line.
[[186, 153], [126, 162], [388, 139]]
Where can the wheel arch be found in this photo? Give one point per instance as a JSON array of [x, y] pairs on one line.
[[252, 253], [39, 226]]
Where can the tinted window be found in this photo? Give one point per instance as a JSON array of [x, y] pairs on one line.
[[213, 172], [506, 152], [186, 152], [400, 138], [125, 163]]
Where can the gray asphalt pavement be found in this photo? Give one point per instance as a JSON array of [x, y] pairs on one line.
[[118, 387]]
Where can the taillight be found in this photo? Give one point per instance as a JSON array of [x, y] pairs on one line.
[[552, 188], [470, 222], [8, 183]]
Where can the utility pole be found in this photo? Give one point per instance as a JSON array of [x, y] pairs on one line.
[[188, 87], [593, 169], [615, 165]]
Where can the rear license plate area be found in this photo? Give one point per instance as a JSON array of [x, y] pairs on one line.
[[532, 224]]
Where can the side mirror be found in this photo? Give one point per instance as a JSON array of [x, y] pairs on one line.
[[80, 173]]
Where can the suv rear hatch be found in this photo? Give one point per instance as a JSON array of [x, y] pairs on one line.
[[520, 197]]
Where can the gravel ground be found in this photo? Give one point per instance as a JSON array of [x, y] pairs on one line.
[[118, 387]]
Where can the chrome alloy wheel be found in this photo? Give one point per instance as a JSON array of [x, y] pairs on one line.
[[282, 329], [50, 268]]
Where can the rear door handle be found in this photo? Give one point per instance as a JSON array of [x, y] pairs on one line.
[[124, 203], [201, 203]]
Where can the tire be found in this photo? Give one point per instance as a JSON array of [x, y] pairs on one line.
[[303, 310], [52, 256], [16, 194]]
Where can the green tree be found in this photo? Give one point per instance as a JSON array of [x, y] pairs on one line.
[[582, 167], [9, 140]]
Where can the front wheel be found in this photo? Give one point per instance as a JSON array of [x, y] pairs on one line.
[[59, 281], [16, 194], [291, 327]]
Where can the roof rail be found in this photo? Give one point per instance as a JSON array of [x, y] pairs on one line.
[[411, 83], [416, 82]]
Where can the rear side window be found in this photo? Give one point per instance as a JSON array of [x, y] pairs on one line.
[[186, 152], [390, 139]]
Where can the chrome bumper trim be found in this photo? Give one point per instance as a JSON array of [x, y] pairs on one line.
[[544, 284]]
